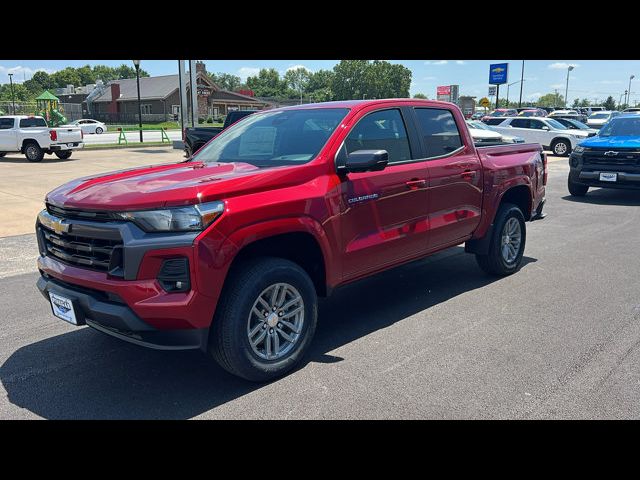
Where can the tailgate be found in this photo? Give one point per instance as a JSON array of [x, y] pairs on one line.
[[68, 135]]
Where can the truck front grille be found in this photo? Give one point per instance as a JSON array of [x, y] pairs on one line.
[[103, 255], [79, 214], [624, 158]]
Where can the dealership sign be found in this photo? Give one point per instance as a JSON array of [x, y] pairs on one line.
[[498, 73], [444, 90]]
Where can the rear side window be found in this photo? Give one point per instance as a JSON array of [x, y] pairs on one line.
[[382, 130], [521, 123], [494, 121], [6, 123], [439, 130], [32, 122]]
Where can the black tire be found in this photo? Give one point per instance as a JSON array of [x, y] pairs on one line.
[[577, 189], [229, 343], [493, 262], [561, 147], [33, 152], [2, 154], [99, 130], [63, 155]]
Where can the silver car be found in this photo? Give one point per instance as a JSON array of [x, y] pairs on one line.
[[90, 126]]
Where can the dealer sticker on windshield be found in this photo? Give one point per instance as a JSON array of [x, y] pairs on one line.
[[63, 308], [608, 177]]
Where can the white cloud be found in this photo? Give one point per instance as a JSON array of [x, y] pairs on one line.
[[437, 62], [245, 72], [460, 62], [293, 67], [562, 65], [20, 72]]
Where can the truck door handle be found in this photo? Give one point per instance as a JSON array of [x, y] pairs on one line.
[[468, 174], [416, 183]]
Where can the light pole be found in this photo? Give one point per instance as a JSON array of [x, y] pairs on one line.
[[521, 82], [508, 92], [136, 63], [629, 97], [566, 92], [620, 99], [13, 98]]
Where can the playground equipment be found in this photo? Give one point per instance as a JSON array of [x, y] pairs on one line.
[[48, 107]]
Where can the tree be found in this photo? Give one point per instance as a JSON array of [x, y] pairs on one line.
[[297, 80], [227, 81], [267, 83], [609, 103], [576, 102], [550, 100], [43, 79], [67, 76], [421, 95], [355, 79]]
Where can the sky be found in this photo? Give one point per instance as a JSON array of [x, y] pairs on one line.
[[592, 79]]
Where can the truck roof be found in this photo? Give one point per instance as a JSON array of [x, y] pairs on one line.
[[360, 104], [21, 116]]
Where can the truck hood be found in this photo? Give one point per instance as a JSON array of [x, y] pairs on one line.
[[611, 142], [163, 185]]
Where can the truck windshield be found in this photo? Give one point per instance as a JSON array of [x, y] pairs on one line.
[[621, 127], [271, 139]]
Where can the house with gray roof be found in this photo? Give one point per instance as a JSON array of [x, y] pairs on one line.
[[160, 99]]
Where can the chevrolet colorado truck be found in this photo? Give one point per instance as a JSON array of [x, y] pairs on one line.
[[609, 160], [195, 137], [31, 136], [229, 251]]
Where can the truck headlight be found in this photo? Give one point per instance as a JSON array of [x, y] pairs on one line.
[[193, 218], [578, 149]]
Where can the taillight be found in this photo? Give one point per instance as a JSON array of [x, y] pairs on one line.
[[54, 135], [544, 166]]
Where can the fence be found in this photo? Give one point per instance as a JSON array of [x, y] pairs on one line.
[[72, 111], [132, 118]]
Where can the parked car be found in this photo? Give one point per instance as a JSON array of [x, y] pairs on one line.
[[568, 114], [228, 252], [522, 109], [535, 112], [598, 119], [89, 126], [572, 124], [545, 131], [609, 160], [483, 136], [501, 112], [631, 110], [31, 136], [479, 131], [477, 115], [196, 137], [548, 109]]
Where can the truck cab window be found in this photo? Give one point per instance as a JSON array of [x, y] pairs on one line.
[[439, 130], [382, 130], [6, 123]]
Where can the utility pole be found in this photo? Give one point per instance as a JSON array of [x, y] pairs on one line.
[[521, 82], [566, 92], [13, 98]]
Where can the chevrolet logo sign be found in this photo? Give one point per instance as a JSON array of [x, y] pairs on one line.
[[611, 153], [56, 224], [498, 70]]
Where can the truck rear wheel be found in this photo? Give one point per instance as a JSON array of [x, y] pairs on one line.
[[577, 189], [63, 154], [2, 154], [506, 247], [33, 152], [265, 319]]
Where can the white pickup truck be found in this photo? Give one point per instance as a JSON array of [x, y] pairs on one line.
[[33, 137]]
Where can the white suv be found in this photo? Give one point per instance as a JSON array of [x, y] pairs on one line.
[[549, 133]]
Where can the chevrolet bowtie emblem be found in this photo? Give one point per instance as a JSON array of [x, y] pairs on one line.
[[611, 153], [60, 226]]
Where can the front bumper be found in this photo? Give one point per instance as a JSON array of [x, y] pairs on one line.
[[591, 178], [108, 313]]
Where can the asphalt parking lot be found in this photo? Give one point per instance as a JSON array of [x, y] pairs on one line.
[[433, 339]]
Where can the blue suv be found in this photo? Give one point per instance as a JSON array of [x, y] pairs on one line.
[[609, 160]]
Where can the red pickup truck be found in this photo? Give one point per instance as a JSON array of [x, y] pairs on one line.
[[229, 250]]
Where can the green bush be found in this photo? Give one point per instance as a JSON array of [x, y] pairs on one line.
[[209, 120], [200, 119]]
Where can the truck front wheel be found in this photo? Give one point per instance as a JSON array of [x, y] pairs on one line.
[[577, 189], [506, 247], [33, 152], [2, 154], [63, 154], [265, 319]]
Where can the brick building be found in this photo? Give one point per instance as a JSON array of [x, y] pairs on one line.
[[160, 99]]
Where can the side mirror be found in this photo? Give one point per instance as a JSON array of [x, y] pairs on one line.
[[546, 128], [366, 161]]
